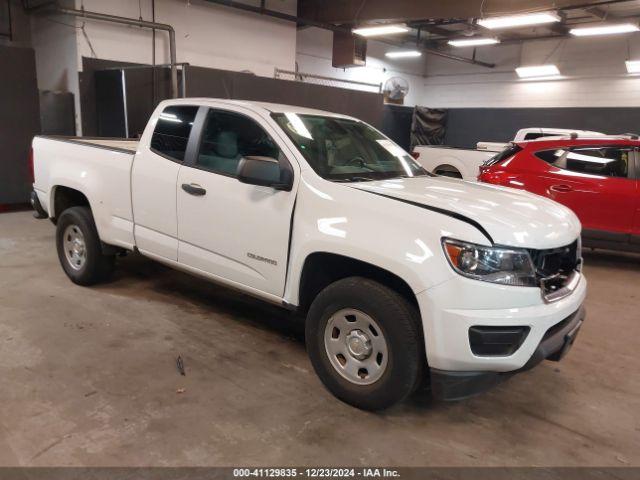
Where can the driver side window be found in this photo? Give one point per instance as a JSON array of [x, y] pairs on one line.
[[229, 136]]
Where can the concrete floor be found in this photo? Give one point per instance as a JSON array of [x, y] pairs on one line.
[[89, 378]]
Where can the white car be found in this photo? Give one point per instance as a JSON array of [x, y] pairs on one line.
[[400, 276], [465, 162]]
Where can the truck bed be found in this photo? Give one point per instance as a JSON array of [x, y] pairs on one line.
[[126, 144], [100, 168], [440, 158]]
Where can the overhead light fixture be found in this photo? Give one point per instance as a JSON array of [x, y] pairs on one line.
[[473, 42], [610, 29], [380, 30], [511, 21], [535, 71], [633, 66], [403, 54]]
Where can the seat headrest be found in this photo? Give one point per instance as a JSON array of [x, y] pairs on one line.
[[227, 144]]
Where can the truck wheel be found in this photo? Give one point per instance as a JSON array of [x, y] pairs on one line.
[[79, 248], [365, 343]]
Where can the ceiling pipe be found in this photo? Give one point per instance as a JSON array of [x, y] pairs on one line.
[[472, 61], [280, 15], [136, 23], [584, 6], [328, 26]]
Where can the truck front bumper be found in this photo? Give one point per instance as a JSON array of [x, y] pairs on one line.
[[459, 314], [557, 341]]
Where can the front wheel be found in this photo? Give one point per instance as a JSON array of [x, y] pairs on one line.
[[79, 248], [365, 343]]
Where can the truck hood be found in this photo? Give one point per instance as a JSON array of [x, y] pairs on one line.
[[509, 217]]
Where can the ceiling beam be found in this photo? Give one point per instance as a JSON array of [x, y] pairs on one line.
[[434, 29], [359, 11], [597, 12]]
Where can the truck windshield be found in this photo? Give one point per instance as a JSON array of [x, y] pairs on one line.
[[340, 149]]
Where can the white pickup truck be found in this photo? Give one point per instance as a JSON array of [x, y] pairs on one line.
[[400, 276], [465, 162]]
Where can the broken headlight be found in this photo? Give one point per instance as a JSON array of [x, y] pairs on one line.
[[504, 265]]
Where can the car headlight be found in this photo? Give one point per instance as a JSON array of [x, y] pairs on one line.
[[507, 266]]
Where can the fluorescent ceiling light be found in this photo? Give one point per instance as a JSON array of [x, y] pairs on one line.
[[519, 20], [380, 30], [633, 66], [472, 42], [403, 54], [604, 29], [537, 71]]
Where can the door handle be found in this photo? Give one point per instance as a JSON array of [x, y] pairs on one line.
[[194, 189], [560, 188]]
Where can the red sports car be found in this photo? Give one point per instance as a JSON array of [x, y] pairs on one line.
[[598, 178]]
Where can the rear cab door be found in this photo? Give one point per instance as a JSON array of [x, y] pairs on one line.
[[154, 176]]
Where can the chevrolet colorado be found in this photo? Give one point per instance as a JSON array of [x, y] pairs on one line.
[[401, 276]]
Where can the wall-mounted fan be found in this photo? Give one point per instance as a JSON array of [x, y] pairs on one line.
[[395, 89]]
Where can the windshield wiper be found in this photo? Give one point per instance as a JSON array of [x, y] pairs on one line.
[[353, 179], [421, 174]]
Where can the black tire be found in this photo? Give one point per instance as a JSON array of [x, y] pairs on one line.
[[401, 328], [96, 266]]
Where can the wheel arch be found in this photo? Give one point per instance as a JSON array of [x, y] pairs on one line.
[[63, 197], [447, 167], [320, 269]]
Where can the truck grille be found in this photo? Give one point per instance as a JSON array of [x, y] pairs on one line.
[[555, 266]]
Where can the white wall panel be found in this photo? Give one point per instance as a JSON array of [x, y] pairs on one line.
[[593, 75], [207, 35], [55, 44]]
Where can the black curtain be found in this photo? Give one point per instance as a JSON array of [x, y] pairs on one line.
[[428, 126]]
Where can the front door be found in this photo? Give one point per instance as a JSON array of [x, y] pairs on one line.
[[234, 231]]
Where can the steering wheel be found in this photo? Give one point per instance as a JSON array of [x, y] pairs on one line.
[[359, 159]]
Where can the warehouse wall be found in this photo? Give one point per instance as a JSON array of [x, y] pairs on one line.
[[593, 70], [19, 121], [207, 35], [313, 55], [54, 41], [14, 24]]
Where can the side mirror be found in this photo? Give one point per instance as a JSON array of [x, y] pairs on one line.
[[264, 171]]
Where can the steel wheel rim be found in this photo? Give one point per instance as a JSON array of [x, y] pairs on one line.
[[75, 247], [356, 346]]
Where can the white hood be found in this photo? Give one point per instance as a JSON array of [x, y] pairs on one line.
[[511, 217]]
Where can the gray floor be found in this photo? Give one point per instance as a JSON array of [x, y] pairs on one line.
[[88, 378]]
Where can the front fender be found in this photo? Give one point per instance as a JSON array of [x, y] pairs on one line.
[[402, 239]]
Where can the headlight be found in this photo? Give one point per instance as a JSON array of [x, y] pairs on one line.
[[491, 264]]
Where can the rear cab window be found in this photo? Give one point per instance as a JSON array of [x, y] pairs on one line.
[[171, 135]]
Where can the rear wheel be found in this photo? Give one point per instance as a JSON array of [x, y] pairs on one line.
[[365, 343], [79, 248]]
